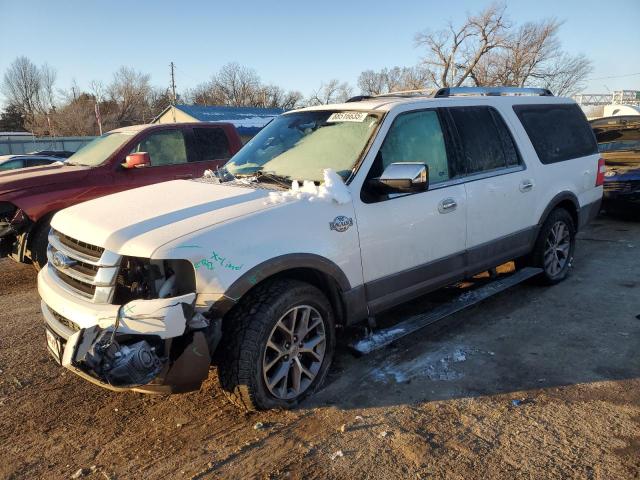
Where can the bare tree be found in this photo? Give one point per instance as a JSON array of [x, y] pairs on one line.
[[22, 85], [240, 86], [393, 80], [129, 92], [533, 56], [332, 91], [566, 76], [237, 85], [47, 96], [452, 54]]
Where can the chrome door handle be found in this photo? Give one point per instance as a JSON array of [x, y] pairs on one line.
[[447, 205], [526, 186]]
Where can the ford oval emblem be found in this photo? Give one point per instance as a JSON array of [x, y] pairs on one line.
[[61, 261], [341, 223]]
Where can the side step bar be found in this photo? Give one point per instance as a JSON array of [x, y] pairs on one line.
[[414, 323]]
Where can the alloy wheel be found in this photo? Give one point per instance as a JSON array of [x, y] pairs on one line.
[[294, 352], [557, 248]]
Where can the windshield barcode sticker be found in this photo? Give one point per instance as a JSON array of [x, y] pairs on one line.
[[347, 117]]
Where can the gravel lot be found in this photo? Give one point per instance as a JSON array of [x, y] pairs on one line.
[[533, 383]]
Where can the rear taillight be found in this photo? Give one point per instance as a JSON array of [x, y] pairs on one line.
[[600, 173]]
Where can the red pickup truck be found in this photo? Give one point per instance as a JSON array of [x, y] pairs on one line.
[[121, 159]]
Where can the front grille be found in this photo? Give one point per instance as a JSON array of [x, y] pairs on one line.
[[83, 269], [81, 247], [84, 288]]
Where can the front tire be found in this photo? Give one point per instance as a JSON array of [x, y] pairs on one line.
[[279, 345], [554, 248], [39, 242]]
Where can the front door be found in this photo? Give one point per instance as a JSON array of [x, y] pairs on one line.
[[412, 243], [167, 151]]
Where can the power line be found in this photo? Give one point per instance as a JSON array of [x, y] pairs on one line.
[[615, 76]]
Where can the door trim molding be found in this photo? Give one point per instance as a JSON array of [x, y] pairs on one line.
[[391, 290]]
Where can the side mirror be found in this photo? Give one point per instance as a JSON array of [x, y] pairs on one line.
[[137, 160], [404, 177]]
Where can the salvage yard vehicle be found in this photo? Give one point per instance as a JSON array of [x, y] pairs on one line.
[[121, 159], [330, 215], [619, 144], [13, 162]]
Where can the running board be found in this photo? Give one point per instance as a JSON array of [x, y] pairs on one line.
[[414, 323]]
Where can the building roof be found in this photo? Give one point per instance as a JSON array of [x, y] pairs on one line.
[[248, 120]]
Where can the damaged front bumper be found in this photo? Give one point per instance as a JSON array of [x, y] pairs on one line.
[[150, 346]]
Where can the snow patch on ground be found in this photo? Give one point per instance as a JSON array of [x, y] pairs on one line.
[[438, 365], [372, 341], [332, 189]]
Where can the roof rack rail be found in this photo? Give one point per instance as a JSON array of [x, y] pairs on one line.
[[422, 92], [492, 91], [460, 92], [359, 98]]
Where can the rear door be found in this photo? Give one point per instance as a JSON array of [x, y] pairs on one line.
[[209, 149], [501, 191]]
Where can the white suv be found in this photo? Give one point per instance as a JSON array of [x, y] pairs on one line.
[[328, 216]]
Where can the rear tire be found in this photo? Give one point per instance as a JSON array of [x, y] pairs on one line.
[[554, 248], [278, 346]]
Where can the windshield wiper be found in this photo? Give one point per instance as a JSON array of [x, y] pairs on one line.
[[283, 180]]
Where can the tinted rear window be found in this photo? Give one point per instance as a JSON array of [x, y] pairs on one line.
[[211, 143], [486, 142], [557, 132]]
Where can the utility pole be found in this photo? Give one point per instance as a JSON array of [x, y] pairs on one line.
[[173, 91]]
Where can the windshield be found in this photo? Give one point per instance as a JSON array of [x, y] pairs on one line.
[[299, 146], [98, 150]]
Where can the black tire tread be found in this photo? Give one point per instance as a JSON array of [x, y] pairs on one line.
[[536, 258], [38, 245], [245, 325]]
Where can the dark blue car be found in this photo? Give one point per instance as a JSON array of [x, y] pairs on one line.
[[619, 143]]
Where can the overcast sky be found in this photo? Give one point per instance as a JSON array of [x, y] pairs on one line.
[[294, 44]]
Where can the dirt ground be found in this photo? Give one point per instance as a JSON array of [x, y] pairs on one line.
[[533, 383]]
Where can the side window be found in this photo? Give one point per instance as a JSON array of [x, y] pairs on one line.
[[558, 132], [416, 137], [36, 162], [508, 144], [166, 147], [211, 144], [486, 143], [11, 165]]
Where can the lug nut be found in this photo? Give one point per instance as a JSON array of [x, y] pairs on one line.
[[286, 357]]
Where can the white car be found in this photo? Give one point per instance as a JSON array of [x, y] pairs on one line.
[[330, 215]]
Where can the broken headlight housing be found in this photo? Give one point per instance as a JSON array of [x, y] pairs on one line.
[[145, 279]]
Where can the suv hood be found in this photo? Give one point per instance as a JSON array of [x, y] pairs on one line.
[[24, 178], [137, 222]]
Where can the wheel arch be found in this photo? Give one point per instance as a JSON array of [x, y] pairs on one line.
[[568, 201], [311, 268]]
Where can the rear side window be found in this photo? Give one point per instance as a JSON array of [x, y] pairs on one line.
[[557, 132], [11, 165], [485, 142], [211, 144]]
